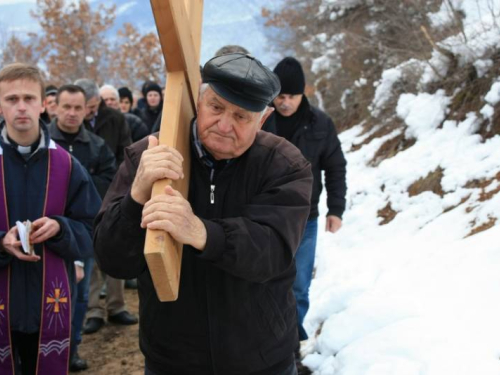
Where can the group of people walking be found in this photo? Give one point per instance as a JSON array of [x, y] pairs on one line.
[[249, 224]]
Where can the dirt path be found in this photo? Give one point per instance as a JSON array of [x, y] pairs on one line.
[[114, 350]]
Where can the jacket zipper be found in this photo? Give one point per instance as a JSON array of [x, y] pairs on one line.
[[212, 194], [212, 187]]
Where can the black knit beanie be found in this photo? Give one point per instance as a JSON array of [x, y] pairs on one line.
[[124, 92], [291, 76], [152, 87]]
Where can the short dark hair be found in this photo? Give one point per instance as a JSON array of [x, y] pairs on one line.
[[72, 89], [19, 71], [231, 48]]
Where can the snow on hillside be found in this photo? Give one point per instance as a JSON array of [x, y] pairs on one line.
[[417, 296]]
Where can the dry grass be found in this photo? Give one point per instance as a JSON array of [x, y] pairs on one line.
[[481, 228], [431, 182], [391, 148], [387, 214], [483, 184]]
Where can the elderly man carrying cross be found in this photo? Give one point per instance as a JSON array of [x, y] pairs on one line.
[[248, 204]]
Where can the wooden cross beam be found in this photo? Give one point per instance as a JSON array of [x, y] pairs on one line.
[[179, 28]]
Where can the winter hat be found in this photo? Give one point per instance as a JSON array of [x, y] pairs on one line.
[[291, 76], [50, 90], [152, 86], [124, 92], [242, 80]]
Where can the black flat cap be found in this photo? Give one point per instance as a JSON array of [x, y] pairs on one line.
[[50, 90], [242, 80]]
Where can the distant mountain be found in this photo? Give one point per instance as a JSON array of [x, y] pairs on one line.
[[224, 22]]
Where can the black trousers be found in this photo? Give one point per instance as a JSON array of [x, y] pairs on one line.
[[25, 350]]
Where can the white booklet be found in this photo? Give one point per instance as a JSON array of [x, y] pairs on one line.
[[24, 230]]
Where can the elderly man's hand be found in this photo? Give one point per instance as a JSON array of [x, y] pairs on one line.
[[12, 246], [172, 213], [157, 163], [333, 223]]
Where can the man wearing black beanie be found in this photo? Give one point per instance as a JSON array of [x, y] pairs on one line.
[[313, 132]]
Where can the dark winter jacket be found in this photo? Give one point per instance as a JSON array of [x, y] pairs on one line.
[[111, 126], [92, 152], [25, 193], [138, 129], [317, 139], [150, 116], [236, 312]]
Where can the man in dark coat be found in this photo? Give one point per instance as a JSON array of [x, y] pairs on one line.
[[110, 125], [313, 132], [39, 177], [107, 123], [249, 195], [50, 104], [111, 97], [92, 152]]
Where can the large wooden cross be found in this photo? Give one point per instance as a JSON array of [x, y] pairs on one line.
[[179, 28]]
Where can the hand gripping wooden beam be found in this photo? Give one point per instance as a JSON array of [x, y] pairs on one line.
[[179, 28]]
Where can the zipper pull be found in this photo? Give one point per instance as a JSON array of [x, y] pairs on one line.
[[212, 194], [71, 148]]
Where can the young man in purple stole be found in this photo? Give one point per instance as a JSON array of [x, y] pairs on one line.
[[40, 182]]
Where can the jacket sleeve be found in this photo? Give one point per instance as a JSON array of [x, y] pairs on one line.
[[334, 164], [138, 128], [118, 236], [106, 170], [5, 257], [262, 242], [74, 241]]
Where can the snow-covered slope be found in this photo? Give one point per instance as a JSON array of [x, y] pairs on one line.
[[419, 295]]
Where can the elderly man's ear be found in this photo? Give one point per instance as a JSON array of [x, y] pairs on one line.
[[268, 112]]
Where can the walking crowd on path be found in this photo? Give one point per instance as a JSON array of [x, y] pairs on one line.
[[77, 166]]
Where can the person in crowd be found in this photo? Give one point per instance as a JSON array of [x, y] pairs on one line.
[[49, 104], [231, 48], [109, 124], [153, 104], [127, 101], [111, 97], [249, 194], [41, 183], [313, 132], [91, 151]]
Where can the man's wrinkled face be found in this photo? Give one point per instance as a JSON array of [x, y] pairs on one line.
[[21, 106], [92, 108], [153, 98], [224, 129], [51, 106], [110, 98], [125, 105], [287, 104], [70, 111]]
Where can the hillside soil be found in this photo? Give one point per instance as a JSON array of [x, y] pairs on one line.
[[114, 350]]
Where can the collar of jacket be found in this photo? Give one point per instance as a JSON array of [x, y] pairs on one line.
[[202, 153], [56, 135], [44, 139]]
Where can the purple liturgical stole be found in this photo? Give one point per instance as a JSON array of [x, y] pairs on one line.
[[55, 324]]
